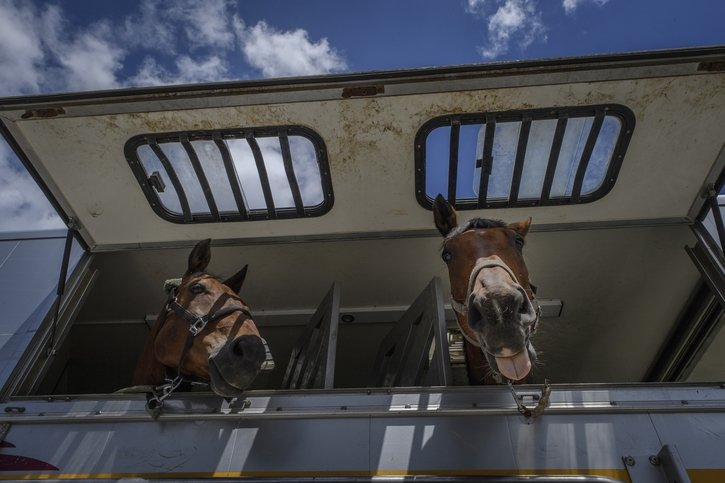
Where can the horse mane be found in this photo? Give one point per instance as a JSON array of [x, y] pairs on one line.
[[474, 224]]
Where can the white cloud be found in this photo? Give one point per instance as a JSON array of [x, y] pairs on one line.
[[161, 25], [90, 62], [207, 23], [20, 51], [150, 28], [38, 54], [514, 21], [22, 205], [476, 6], [290, 53], [571, 5], [211, 69], [187, 71]]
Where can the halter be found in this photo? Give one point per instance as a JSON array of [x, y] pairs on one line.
[[461, 308], [197, 323]]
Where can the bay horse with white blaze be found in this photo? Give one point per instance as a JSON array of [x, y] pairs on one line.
[[204, 333], [491, 294]]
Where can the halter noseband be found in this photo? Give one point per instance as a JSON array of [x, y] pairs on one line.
[[461, 308], [197, 323]]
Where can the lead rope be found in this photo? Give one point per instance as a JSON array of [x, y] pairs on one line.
[[538, 410]]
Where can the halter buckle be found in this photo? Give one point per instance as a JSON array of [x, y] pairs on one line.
[[197, 326]]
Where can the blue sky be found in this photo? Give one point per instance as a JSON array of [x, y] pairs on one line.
[[81, 45]]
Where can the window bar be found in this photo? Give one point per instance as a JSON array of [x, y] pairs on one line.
[[453, 160], [262, 171], [173, 177], [519, 162], [553, 157], [200, 175], [486, 161], [231, 174], [586, 156], [289, 170]]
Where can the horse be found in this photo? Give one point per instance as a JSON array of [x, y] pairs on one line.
[[491, 295], [205, 333]]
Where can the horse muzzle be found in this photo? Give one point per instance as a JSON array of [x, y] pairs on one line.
[[502, 317], [233, 368]]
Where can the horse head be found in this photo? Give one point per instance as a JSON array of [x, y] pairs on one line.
[[491, 294], [205, 332]]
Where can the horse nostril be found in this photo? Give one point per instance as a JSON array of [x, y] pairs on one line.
[[250, 347], [476, 314], [238, 348]]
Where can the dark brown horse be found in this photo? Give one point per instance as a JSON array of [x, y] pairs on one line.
[[204, 333], [491, 294]]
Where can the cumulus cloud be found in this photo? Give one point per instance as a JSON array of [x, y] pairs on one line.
[[187, 70], [161, 25], [38, 54], [90, 62], [571, 5], [207, 23], [290, 53], [21, 51], [22, 205], [514, 21]]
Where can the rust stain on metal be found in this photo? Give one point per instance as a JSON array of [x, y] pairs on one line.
[[43, 113], [362, 91], [715, 66]]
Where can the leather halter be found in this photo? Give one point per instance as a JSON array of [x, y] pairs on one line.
[[461, 308], [197, 323]]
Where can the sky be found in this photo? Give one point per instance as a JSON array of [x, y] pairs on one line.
[[83, 45]]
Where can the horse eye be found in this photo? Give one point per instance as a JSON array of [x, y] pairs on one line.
[[197, 288], [519, 242], [447, 256]]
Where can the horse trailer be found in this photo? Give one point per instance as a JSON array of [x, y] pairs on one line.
[[326, 187]]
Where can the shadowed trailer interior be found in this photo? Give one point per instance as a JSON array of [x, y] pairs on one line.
[[621, 297]]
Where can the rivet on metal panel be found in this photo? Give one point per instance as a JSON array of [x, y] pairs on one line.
[[628, 460], [654, 460]]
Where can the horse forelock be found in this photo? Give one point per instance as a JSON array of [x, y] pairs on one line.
[[475, 224]]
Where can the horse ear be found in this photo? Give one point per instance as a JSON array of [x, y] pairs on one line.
[[199, 257], [521, 227], [235, 281], [444, 215]]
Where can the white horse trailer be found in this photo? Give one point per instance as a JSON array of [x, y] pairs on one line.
[[327, 181]]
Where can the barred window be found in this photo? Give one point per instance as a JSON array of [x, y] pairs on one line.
[[233, 174], [522, 158]]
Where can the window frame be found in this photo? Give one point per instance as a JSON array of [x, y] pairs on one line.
[[251, 134], [526, 117]]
